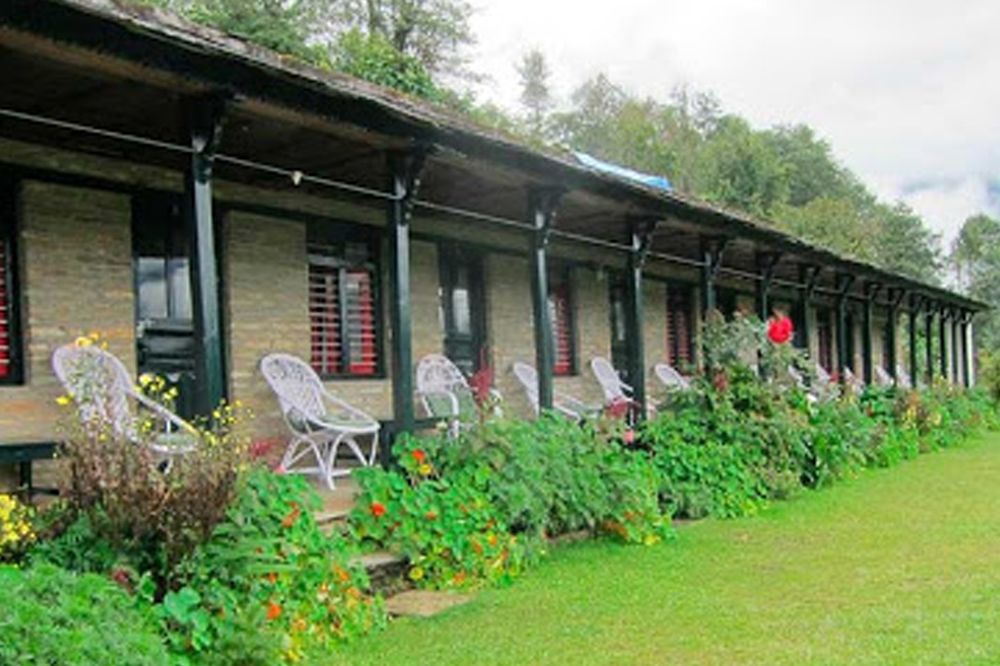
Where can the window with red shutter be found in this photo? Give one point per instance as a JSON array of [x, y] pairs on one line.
[[343, 305], [680, 333], [824, 338], [563, 332], [9, 342]]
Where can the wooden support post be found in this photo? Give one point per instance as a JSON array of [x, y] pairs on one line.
[[929, 308], [641, 238], [844, 282], [966, 373], [542, 205], [942, 328], [956, 349], [766, 263], [914, 356], [404, 182], [808, 278], [711, 253], [871, 291], [205, 117], [896, 297]]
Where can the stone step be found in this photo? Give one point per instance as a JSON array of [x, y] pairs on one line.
[[386, 571], [424, 603]]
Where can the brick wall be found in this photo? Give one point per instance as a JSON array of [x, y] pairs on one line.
[[76, 261]]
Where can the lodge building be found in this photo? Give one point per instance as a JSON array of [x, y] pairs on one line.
[[201, 202]]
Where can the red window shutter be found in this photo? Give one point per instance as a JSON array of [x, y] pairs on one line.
[[562, 329], [324, 318], [679, 325], [360, 313], [5, 315]]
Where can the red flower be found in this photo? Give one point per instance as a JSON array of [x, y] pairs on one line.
[[273, 611], [629, 436], [419, 456], [378, 509], [780, 330]]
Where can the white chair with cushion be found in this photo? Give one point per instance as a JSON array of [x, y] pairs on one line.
[[318, 420], [108, 400], [565, 404], [882, 377], [670, 378], [445, 393], [614, 389], [903, 379]]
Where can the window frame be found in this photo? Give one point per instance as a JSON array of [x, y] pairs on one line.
[[346, 232], [561, 278], [687, 289], [9, 227]]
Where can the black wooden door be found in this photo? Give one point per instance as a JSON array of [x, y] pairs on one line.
[[164, 326], [463, 310]]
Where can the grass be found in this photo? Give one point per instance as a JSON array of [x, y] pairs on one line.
[[899, 566]]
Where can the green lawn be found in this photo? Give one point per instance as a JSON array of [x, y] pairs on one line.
[[897, 567]]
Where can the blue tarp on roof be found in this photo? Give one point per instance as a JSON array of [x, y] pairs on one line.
[[659, 182]]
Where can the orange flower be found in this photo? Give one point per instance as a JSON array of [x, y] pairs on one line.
[[273, 611], [492, 540], [419, 456], [292, 516], [272, 577], [431, 515], [343, 575], [378, 509]]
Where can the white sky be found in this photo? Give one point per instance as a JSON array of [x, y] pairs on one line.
[[906, 91]]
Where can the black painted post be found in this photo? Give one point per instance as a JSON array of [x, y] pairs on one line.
[[871, 291], [711, 255], [955, 347], [766, 263], [641, 237], [808, 276], [914, 356], [844, 282], [404, 181], [966, 370], [205, 117], [929, 340], [896, 297], [541, 209], [942, 328]]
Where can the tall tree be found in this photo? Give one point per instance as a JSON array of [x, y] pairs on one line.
[[434, 32], [536, 92], [976, 255], [286, 26]]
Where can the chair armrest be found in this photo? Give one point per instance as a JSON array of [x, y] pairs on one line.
[[349, 408], [168, 416], [451, 397]]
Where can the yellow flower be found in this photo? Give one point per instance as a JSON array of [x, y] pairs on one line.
[[425, 469], [83, 341], [64, 400]]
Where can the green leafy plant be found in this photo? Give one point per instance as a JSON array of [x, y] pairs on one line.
[[53, 616]]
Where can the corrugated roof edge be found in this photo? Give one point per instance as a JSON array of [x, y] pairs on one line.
[[161, 24]]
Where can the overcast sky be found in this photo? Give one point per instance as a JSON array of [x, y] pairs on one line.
[[906, 91]]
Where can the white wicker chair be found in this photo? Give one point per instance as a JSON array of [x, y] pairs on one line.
[[103, 390], [614, 388], [903, 379], [445, 392], [319, 421], [565, 404], [882, 377], [670, 378], [854, 383]]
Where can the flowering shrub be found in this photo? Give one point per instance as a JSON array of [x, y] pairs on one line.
[[268, 586], [474, 510], [16, 533]]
